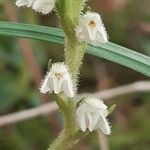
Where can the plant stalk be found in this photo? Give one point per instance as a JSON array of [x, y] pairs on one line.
[[69, 11]]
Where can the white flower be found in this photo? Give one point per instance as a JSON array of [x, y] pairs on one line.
[[91, 29], [27, 3], [58, 79], [92, 114], [44, 6], [41, 6]]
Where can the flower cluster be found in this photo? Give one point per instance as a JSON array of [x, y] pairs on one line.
[[41, 6], [91, 29], [92, 114]]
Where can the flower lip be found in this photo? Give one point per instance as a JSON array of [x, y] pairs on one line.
[[58, 75], [92, 24]]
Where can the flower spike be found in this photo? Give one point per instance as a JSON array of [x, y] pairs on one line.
[[91, 29], [58, 79], [92, 114]]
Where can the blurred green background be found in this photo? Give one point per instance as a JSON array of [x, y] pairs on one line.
[[24, 62]]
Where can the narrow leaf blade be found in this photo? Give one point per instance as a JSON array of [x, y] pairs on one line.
[[109, 51]]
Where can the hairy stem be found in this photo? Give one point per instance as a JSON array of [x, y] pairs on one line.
[[67, 137], [74, 54], [69, 11]]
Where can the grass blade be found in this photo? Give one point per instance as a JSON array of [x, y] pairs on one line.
[[109, 51]]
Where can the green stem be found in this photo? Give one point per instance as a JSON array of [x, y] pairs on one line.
[[68, 11], [74, 54], [67, 137], [70, 134]]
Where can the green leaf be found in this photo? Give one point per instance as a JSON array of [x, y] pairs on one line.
[[109, 51]]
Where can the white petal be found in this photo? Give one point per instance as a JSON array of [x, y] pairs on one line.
[[79, 34], [104, 125], [97, 105], [95, 118], [104, 112], [47, 85], [102, 35], [68, 87], [24, 3], [81, 118], [91, 33], [97, 109], [94, 102], [90, 121], [57, 85], [59, 68], [43, 6]]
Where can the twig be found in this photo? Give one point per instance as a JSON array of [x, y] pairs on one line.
[[103, 141], [141, 86], [104, 81], [27, 114]]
